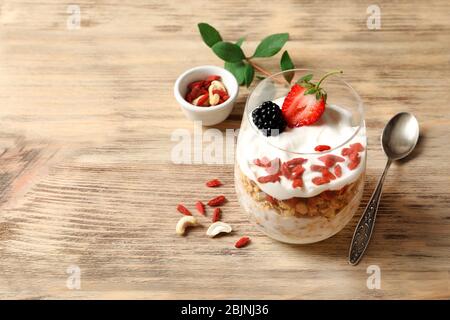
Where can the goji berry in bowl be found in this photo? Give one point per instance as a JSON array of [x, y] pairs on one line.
[[207, 93], [209, 115]]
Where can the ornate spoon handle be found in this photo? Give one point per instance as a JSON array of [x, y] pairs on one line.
[[364, 229]]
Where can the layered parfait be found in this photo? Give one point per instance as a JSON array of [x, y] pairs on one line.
[[300, 158]]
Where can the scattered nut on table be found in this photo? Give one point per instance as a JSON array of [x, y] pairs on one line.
[[183, 223], [218, 227]]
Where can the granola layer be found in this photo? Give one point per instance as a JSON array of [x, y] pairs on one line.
[[327, 204], [299, 220]]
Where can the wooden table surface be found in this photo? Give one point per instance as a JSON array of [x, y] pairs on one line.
[[86, 180]]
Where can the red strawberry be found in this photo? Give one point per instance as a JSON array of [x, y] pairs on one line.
[[300, 110], [305, 103]]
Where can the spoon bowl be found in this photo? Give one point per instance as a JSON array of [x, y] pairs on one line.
[[400, 136]]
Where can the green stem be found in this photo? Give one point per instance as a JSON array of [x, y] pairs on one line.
[[258, 67], [326, 76], [261, 70]]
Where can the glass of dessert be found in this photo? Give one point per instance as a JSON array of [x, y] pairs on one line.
[[301, 155]]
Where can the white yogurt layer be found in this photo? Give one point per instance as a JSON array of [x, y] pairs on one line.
[[333, 128]]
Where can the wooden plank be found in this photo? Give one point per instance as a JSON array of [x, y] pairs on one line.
[[85, 139]]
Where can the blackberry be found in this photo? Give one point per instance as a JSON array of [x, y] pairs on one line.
[[269, 119]]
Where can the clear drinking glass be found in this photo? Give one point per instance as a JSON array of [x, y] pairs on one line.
[[310, 213]]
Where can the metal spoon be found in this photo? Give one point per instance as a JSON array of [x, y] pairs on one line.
[[399, 138]]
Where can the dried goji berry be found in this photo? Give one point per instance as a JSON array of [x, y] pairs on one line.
[[354, 156], [182, 209], [242, 242], [263, 162], [269, 178], [328, 175], [297, 171], [346, 151], [296, 161], [338, 170], [216, 215], [200, 207], [322, 147], [195, 84], [320, 180], [217, 201], [358, 147], [352, 165], [213, 183], [188, 97], [297, 183], [285, 171], [329, 162], [271, 199], [206, 84], [195, 93], [330, 159], [317, 168], [203, 99]]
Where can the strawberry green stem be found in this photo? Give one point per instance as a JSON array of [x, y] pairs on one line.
[[326, 76]]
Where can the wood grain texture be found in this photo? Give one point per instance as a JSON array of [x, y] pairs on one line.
[[86, 178]]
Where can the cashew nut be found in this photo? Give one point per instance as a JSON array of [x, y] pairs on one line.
[[183, 223], [216, 85], [218, 227], [214, 99]]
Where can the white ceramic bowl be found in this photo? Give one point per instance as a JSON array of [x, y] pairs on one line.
[[208, 115]]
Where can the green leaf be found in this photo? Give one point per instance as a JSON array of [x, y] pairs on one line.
[[305, 78], [260, 77], [209, 34], [270, 45], [237, 69], [249, 75], [228, 51], [287, 64], [240, 41], [311, 91]]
